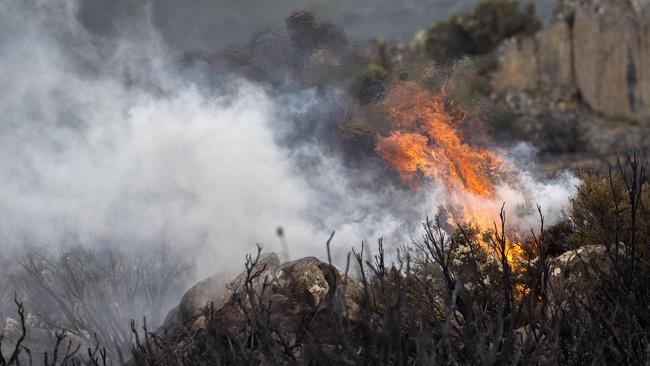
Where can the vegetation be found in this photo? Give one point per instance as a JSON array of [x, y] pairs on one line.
[[579, 294], [371, 84], [83, 298], [612, 207], [444, 301], [479, 32]]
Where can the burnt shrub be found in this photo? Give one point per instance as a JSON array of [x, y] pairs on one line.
[[90, 294], [433, 305]]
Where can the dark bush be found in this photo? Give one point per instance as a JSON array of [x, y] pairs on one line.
[[371, 84], [479, 32], [448, 40]]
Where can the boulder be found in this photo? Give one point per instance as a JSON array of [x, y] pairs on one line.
[[213, 291], [304, 280], [574, 273], [289, 293]]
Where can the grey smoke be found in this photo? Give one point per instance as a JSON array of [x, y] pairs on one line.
[[103, 142], [106, 138]]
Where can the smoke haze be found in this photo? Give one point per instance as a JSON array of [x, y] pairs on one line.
[[107, 140], [103, 143]]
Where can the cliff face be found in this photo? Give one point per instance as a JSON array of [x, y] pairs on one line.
[[542, 61], [599, 51]]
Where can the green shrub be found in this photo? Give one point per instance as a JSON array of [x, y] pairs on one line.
[[495, 20], [446, 41], [481, 31], [371, 84], [601, 211]]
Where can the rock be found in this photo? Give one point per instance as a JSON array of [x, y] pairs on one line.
[[289, 293], [577, 270], [567, 8], [612, 61], [517, 65], [213, 291], [599, 48], [304, 280], [550, 126], [267, 266], [209, 290], [537, 63], [553, 45], [581, 84]]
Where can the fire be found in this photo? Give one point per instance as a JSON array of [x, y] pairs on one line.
[[426, 138], [427, 141]]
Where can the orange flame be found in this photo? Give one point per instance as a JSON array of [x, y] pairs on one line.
[[426, 141]]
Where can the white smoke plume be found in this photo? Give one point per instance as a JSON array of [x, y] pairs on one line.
[[105, 141]]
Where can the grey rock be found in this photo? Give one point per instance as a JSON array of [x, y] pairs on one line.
[[599, 50], [612, 62], [542, 62], [290, 292], [574, 273]]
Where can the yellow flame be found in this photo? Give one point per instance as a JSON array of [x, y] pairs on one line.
[[426, 141]]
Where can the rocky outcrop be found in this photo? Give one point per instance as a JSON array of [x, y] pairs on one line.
[[539, 62], [285, 296], [599, 49], [612, 61], [214, 291]]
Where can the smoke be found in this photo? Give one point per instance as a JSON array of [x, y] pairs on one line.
[[109, 144], [108, 140], [530, 190], [115, 142]]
